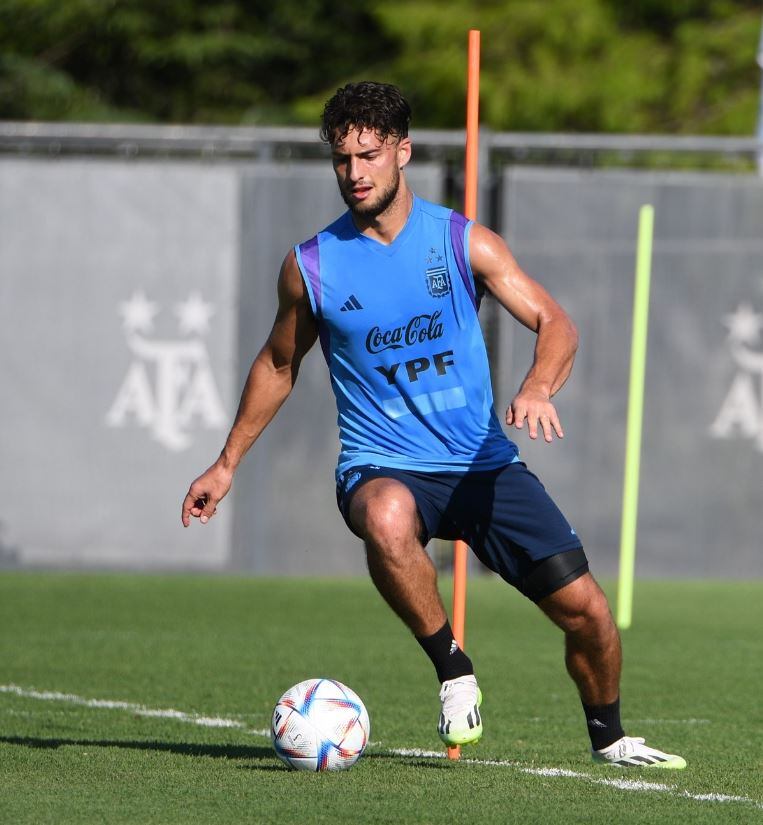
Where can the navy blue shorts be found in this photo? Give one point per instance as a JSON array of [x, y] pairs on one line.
[[505, 515]]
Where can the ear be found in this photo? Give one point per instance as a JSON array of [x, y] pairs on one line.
[[404, 148]]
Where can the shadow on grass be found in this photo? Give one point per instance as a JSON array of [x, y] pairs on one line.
[[183, 748], [232, 752], [413, 761]]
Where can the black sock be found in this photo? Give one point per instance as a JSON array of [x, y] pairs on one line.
[[604, 726], [449, 660]]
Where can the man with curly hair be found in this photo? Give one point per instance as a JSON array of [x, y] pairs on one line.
[[392, 289]]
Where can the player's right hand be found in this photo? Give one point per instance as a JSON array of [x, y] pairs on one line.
[[205, 493]]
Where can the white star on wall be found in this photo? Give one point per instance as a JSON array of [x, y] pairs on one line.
[[744, 324], [138, 313], [194, 314]]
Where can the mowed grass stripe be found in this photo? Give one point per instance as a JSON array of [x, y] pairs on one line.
[[224, 648], [623, 784]]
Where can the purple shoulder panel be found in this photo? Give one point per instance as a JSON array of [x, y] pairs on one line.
[[458, 224], [311, 260]]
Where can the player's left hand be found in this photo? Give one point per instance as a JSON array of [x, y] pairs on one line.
[[534, 406]]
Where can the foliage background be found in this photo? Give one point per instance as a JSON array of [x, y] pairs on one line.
[[663, 66]]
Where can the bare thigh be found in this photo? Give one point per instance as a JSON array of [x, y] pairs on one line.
[[384, 514]]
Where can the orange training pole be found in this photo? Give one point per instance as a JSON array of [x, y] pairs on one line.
[[472, 125], [470, 210]]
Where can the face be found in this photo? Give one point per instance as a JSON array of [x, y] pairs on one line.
[[368, 170]]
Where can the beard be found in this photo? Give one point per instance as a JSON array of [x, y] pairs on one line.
[[373, 210]]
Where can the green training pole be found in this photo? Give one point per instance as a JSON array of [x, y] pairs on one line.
[[635, 416]]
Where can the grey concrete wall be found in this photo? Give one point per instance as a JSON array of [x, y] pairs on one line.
[[118, 295], [702, 459]]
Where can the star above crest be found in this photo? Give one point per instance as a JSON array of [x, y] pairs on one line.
[[138, 313], [744, 324], [194, 314]]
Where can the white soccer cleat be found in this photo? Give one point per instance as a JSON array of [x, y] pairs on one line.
[[460, 721], [631, 752]]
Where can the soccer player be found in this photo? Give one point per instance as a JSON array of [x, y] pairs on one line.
[[391, 289]]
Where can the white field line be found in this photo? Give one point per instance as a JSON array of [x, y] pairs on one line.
[[219, 722], [130, 707], [690, 721]]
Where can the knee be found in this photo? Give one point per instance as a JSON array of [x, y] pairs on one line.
[[387, 518], [592, 617], [585, 612]]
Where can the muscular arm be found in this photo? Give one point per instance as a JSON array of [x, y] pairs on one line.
[[495, 267], [271, 378]]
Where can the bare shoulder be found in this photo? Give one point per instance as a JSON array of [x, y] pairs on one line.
[[481, 237], [490, 256], [295, 328], [291, 287]]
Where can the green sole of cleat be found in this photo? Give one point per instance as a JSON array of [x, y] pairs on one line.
[[673, 765], [677, 764], [462, 743]]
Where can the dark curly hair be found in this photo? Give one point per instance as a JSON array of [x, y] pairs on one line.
[[366, 105]]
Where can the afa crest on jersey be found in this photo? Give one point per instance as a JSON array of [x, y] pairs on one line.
[[438, 281]]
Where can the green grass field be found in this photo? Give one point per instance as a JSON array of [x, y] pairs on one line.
[[226, 648]]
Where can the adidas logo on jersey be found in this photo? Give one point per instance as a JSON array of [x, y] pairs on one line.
[[351, 303]]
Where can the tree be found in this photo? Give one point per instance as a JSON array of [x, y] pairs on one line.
[[584, 65], [179, 60], [563, 65]]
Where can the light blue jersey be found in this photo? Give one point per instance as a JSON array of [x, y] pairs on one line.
[[399, 329]]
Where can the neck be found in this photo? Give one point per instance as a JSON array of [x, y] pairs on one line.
[[387, 225]]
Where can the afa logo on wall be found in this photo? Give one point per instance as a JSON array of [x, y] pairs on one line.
[[741, 411], [169, 388]]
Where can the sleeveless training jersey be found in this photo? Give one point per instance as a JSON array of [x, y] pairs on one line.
[[399, 330]]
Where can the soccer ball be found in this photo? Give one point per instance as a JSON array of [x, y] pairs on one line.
[[320, 725]]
